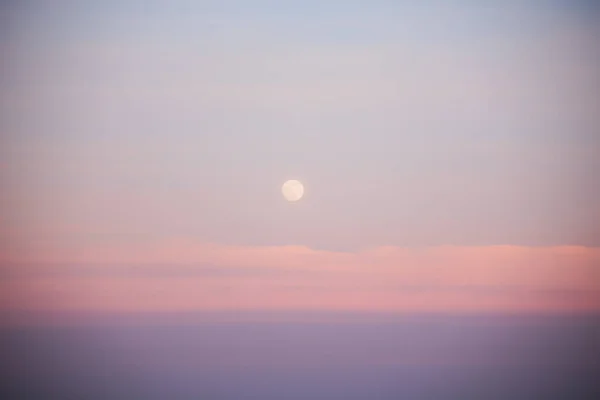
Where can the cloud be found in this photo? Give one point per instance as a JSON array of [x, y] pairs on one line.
[[184, 275]]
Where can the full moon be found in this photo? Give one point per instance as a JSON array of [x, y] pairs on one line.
[[292, 190]]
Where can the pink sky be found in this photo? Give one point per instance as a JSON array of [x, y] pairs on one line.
[[186, 275], [448, 155]]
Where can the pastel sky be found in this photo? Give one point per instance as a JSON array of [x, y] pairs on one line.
[[448, 152]]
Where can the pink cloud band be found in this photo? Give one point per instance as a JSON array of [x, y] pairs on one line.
[[184, 275]]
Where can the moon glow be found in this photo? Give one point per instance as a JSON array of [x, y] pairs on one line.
[[292, 190]]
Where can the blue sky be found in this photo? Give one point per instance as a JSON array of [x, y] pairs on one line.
[[439, 123]]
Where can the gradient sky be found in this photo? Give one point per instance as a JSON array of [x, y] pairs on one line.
[[448, 152]]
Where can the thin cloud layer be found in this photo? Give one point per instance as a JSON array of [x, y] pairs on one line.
[[184, 275]]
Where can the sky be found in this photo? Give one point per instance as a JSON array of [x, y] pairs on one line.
[[448, 152]]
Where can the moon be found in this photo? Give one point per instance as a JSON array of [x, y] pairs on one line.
[[292, 190]]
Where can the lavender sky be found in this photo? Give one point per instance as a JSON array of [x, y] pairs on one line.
[[448, 152]]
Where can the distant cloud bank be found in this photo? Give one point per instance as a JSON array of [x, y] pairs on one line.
[[184, 275]]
